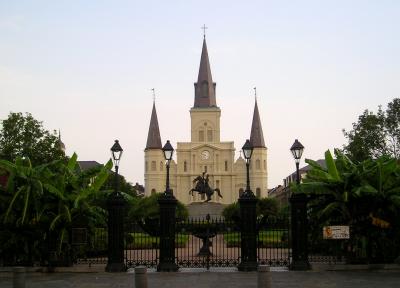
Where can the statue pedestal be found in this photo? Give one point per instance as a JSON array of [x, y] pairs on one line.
[[201, 209]]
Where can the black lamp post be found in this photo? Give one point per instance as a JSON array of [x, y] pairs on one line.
[[115, 206], [248, 235], [248, 152], [167, 204], [298, 204], [116, 153], [168, 151]]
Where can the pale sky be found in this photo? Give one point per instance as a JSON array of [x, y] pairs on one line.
[[87, 68]]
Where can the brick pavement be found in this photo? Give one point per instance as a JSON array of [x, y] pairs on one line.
[[309, 279]]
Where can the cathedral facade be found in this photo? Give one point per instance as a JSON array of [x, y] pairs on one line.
[[206, 152]]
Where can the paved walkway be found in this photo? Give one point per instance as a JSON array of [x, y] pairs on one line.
[[312, 279]]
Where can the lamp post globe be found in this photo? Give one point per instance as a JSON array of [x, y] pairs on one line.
[[116, 154], [297, 151]]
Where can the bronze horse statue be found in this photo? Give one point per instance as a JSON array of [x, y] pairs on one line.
[[202, 187]]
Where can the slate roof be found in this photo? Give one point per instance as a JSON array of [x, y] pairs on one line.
[[86, 165]]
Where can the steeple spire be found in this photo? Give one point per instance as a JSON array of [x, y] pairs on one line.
[[61, 145], [256, 135], [153, 138], [205, 87]]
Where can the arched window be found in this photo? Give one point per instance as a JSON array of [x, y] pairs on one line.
[[258, 192], [204, 89], [153, 165], [241, 191], [153, 191], [201, 136], [209, 136], [184, 166], [258, 164], [161, 166], [226, 165]]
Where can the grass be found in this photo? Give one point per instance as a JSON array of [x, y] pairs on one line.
[[266, 239], [145, 241]]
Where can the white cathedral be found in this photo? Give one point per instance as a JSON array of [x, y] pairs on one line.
[[206, 152]]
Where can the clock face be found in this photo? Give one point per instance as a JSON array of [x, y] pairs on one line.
[[205, 155]]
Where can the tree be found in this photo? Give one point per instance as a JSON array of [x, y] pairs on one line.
[[364, 195], [148, 207], [124, 186], [375, 135], [265, 207], [42, 203], [24, 136], [21, 211]]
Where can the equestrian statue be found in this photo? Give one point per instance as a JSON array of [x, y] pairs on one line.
[[203, 187]]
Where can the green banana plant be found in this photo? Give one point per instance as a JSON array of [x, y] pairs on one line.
[[76, 192], [50, 197]]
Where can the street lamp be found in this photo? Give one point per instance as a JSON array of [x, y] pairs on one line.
[[299, 224], [168, 151], [247, 152], [167, 204], [116, 153], [115, 207], [297, 151], [248, 226]]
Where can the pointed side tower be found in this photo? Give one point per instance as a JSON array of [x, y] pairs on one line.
[[259, 172], [205, 115], [256, 134], [153, 137], [153, 158]]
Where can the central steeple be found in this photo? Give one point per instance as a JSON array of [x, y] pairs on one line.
[[205, 87]]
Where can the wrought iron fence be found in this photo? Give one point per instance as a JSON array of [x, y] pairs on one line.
[[142, 243], [90, 245], [273, 242], [324, 250]]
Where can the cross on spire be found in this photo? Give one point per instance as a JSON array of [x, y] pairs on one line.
[[204, 30], [154, 95], [255, 93]]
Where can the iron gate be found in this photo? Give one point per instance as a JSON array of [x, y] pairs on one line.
[[273, 241], [207, 242], [199, 243]]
